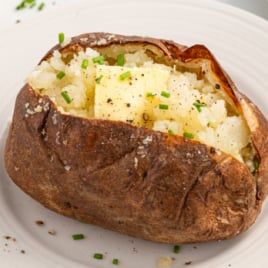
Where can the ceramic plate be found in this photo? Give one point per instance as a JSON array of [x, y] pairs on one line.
[[238, 39]]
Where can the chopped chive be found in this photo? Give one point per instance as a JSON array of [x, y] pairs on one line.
[[84, 64], [20, 6], [41, 6], [26, 4], [66, 97], [61, 38], [256, 164], [115, 261], [150, 94], [188, 135], [78, 236], [163, 106], [170, 131], [120, 59], [98, 59], [98, 256], [255, 167], [125, 75], [165, 94], [176, 249], [98, 79], [199, 106], [60, 74]]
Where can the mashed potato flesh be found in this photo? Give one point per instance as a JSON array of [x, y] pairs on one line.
[[143, 93]]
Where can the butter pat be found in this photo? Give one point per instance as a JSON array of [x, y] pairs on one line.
[[125, 99]]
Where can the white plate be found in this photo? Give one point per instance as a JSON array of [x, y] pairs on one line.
[[238, 39]]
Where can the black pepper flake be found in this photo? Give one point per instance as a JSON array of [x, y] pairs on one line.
[[40, 223], [129, 120], [128, 104], [135, 250], [217, 86], [188, 263], [22, 251], [109, 100], [212, 150]]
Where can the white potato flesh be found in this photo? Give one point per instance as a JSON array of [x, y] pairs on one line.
[[151, 95]]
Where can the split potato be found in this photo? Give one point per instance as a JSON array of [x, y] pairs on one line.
[[141, 136]]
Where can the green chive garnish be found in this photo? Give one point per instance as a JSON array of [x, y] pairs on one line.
[[176, 249], [26, 3], [165, 94], [163, 106], [98, 59], [188, 135], [61, 38], [41, 6], [120, 59], [98, 256], [84, 64], [66, 97], [78, 236], [115, 261], [30, 4], [255, 166], [199, 106], [150, 94], [170, 131], [60, 74], [21, 5], [125, 75], [98, 79]]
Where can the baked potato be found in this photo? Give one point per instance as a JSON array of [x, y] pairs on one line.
[[141, 136]]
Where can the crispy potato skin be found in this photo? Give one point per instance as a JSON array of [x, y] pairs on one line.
[[134, 180]]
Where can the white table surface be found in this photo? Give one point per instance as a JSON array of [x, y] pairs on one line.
[[9, 15]]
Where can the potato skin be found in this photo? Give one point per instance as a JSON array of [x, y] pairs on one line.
[[134, 180]]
